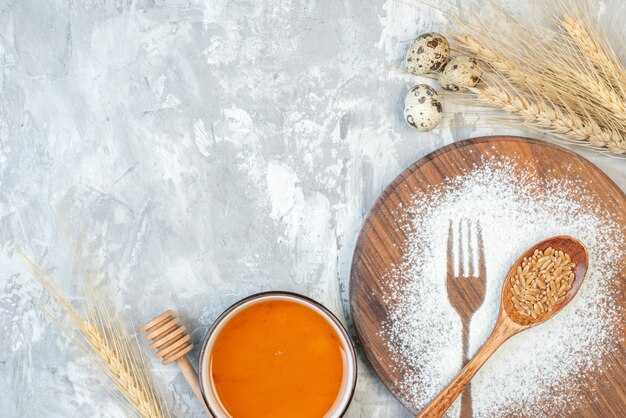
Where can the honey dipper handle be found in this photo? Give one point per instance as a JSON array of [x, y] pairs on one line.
[[192, 378], [503, 330]]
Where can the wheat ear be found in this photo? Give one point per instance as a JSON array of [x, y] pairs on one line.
[[504, 67], [605, 61], [102, 336], [125, 379], [552, 119], [594, 89], [498, 63], [602, 93]]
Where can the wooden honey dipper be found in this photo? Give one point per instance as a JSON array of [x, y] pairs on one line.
[[172, 344]]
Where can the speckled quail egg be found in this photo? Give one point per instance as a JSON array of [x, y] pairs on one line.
[[460, 72], [427, 54], [422, 108]]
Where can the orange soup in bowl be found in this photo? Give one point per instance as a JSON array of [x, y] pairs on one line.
[[277, 355]]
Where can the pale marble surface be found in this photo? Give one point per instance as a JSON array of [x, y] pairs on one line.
[[214, 148]]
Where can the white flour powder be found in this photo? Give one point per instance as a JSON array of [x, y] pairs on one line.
[[530, 372]]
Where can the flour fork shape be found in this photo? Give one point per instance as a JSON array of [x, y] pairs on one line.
[[466, 284]]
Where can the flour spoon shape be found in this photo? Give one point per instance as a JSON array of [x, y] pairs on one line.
[[510, 321]]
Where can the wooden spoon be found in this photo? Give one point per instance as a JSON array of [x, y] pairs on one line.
[[510, 322]]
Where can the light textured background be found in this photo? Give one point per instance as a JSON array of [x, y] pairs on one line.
[[214, 149]]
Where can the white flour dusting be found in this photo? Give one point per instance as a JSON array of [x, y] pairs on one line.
[[528, 373]]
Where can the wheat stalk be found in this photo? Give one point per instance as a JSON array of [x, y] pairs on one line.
[[551, 118], [603, 59], [100, 333], [600, 92], [563, 79], [554, 80], [498, 62], [126, 380]]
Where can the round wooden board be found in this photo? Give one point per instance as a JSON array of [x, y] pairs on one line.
[[382, 242]]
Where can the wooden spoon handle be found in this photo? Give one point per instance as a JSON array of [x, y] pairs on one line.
[[440, 404]]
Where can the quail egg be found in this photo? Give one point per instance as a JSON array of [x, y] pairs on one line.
[[427, 54], [422, 108], [460, 72]]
